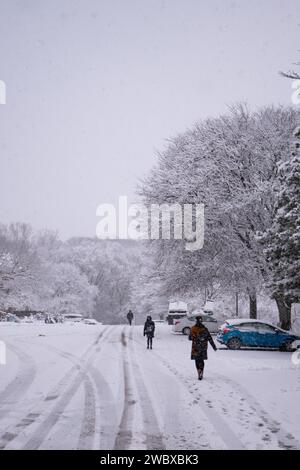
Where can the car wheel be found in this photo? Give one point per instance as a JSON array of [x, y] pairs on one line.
[[234, 343], [186, 330], [287, 346]]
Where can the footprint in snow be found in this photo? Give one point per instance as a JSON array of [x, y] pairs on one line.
[[274, 430]]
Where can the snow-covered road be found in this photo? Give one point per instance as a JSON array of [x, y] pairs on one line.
[[98, 387]]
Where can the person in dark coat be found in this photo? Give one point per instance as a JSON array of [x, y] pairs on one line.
[[149, 329], [130, 317], [200, 336]]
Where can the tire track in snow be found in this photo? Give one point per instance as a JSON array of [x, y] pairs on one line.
[[152, 432], [88, 423], [154, 437], [108, 421], [107, 426], [17, 388], [63, 391], [107, 406], [124, 436], [44, 428], [222, 429]]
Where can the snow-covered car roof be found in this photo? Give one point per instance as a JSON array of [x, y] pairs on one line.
[[238, 321], [72, 315], [90, 320], [178, 306], [194, 313]]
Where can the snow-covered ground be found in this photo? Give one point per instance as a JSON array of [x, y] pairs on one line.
[[98, 387]]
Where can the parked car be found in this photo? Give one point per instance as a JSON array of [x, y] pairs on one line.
[[177, 310], [91, 321], [72, 317], [183, 325], [254, 333], [27, 320], [12, 318]]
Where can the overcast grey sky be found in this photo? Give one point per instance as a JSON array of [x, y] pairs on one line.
[[95, 86]]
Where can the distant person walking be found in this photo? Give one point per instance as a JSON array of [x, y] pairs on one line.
[[149, 329], [130, 317], [200, 336]]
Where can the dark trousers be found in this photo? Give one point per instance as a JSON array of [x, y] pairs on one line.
[[129, 320], [199, 364], [149, 341]]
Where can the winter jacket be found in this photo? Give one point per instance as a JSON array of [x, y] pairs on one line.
[[129, 316], [149, 328], [200, 336]]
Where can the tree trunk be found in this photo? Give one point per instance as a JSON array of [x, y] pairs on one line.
[[236, 304], [285, 311], [253, 305]]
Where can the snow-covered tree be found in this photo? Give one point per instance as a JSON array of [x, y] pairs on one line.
[[66, 290], [18, 267], [110, 266], [87, 276], [282, 240], [229, 164]]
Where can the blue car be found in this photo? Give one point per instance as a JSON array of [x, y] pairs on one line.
[[253, 333]]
